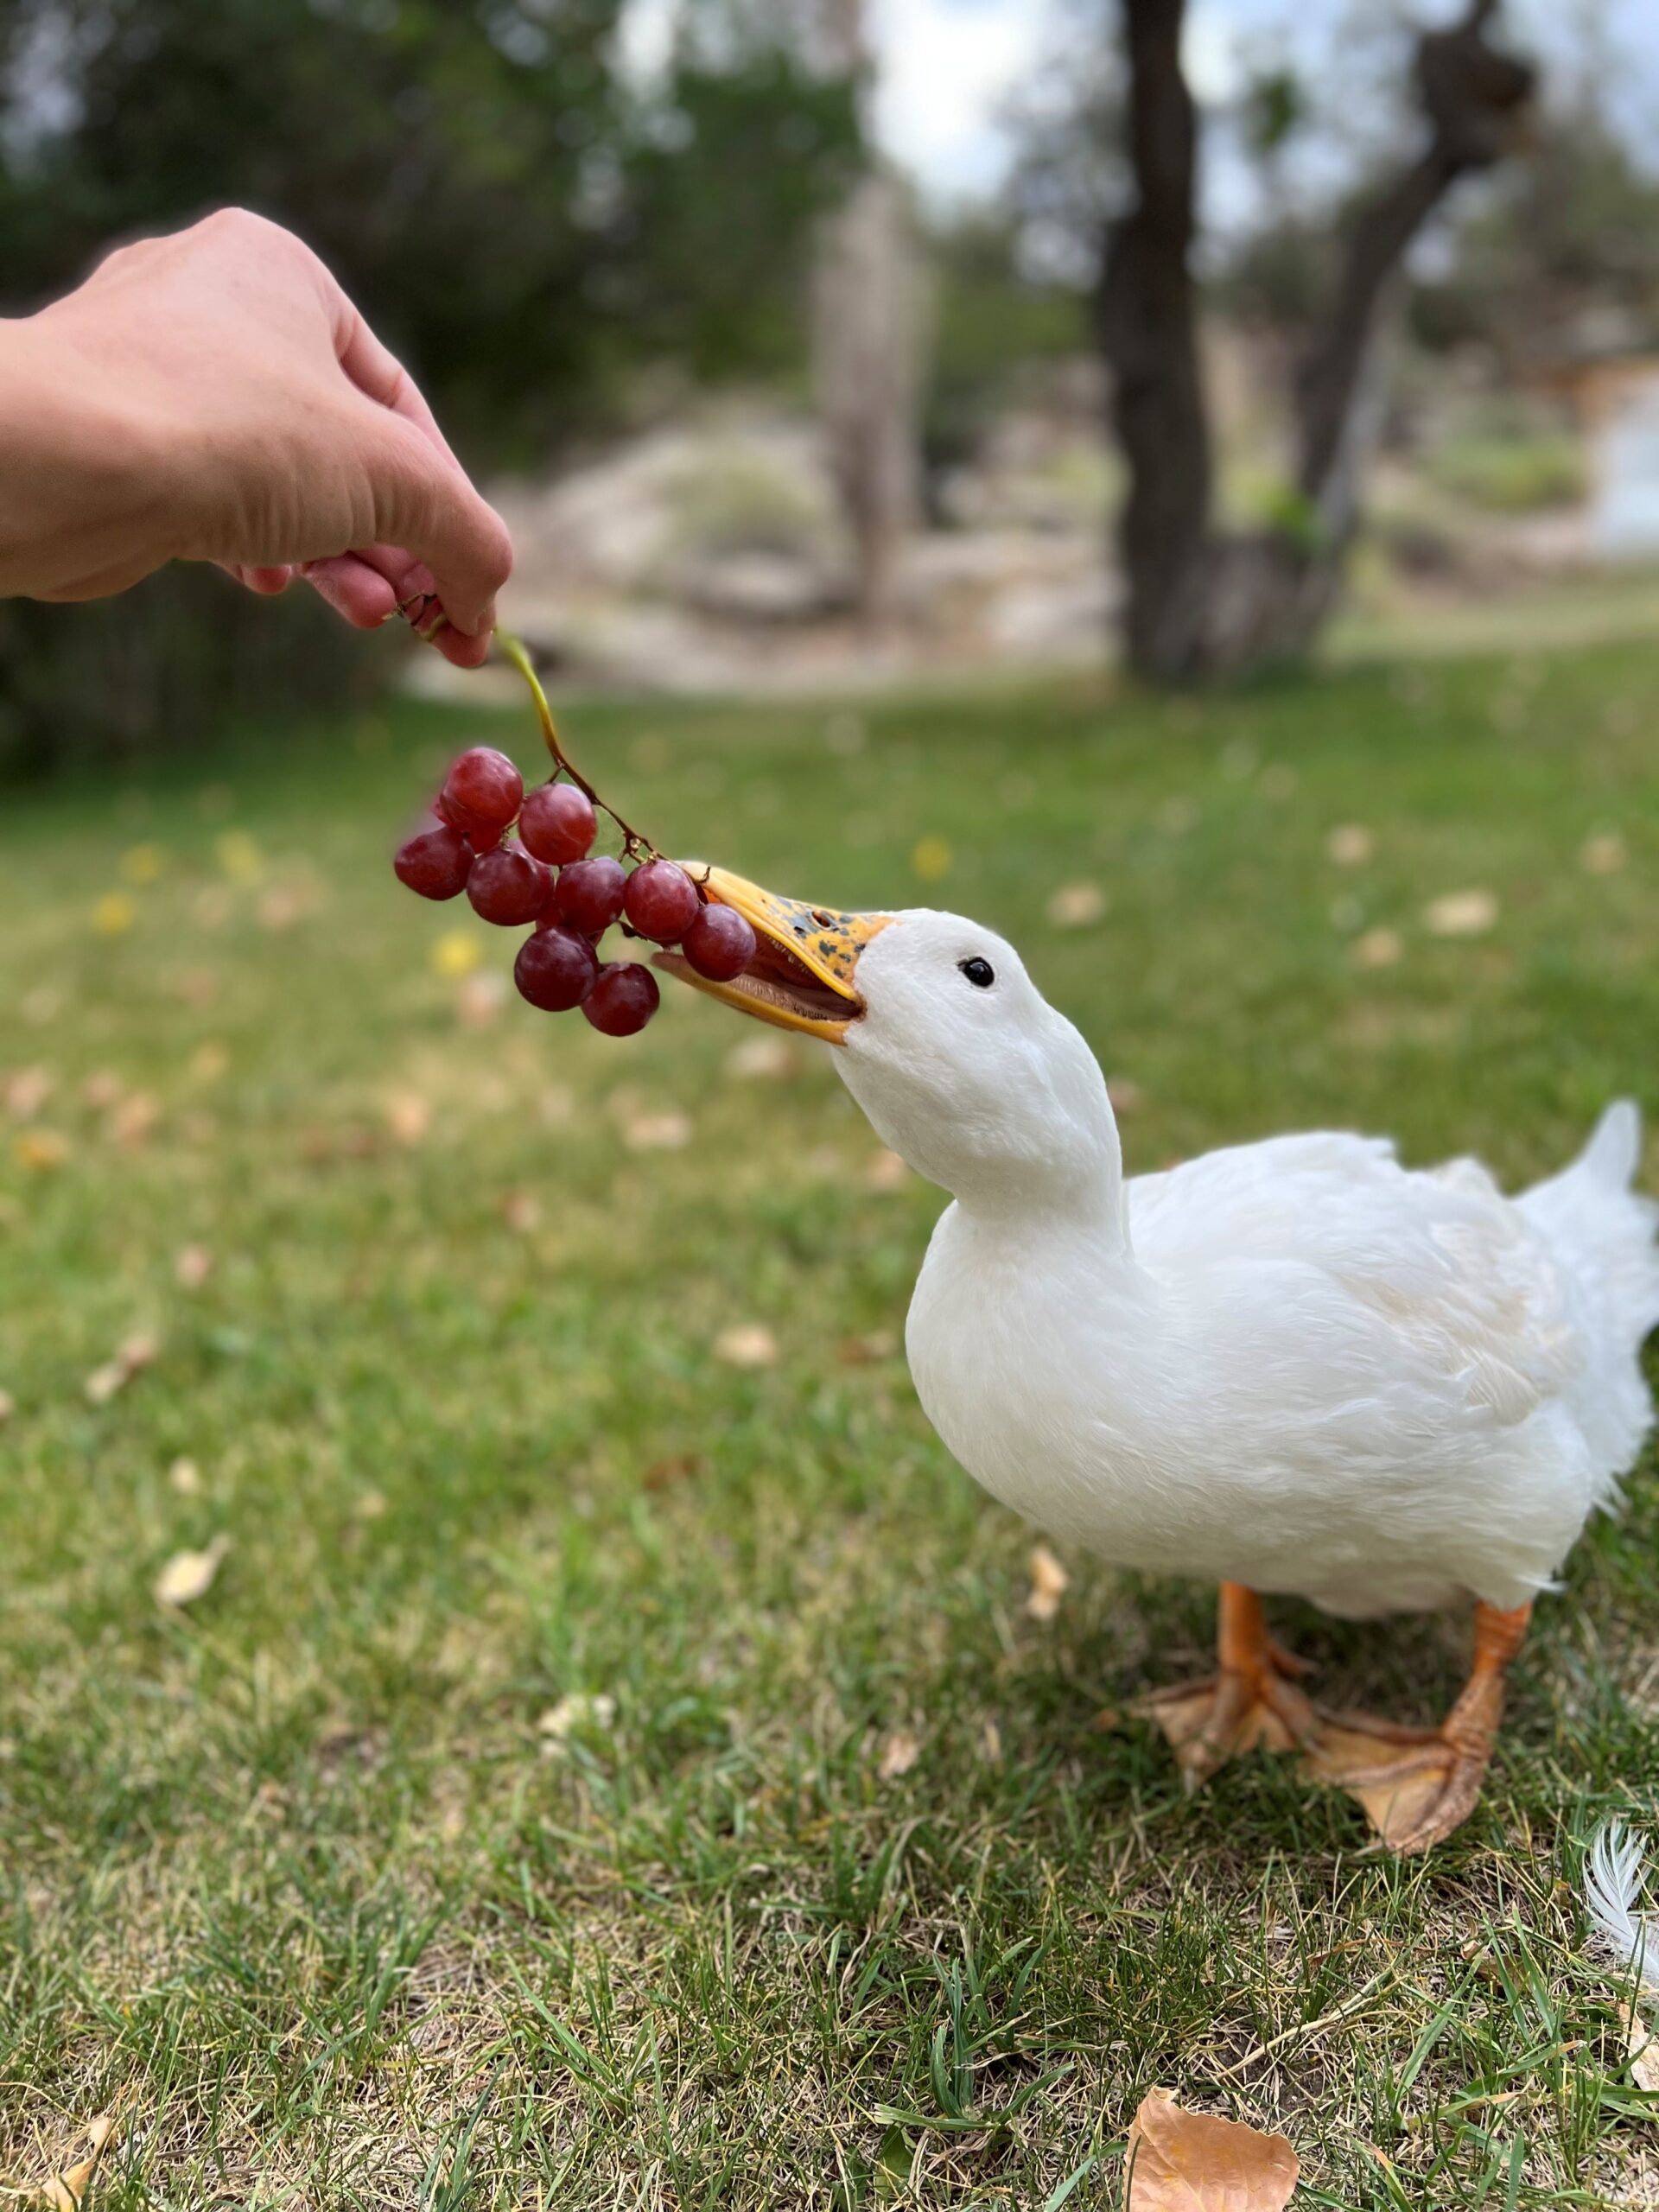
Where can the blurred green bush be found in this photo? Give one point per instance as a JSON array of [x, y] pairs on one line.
[[167, 666]]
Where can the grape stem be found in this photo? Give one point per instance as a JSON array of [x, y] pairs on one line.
[[634, 843]]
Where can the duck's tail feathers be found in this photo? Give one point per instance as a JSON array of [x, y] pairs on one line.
[[1615, 1870], [1602, 1228]]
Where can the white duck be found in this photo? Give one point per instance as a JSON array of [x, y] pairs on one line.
[[1287, 1367]]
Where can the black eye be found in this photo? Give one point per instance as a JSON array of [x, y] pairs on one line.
[[979, 973]]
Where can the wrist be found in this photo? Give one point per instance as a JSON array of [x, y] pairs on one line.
[[84, 463]]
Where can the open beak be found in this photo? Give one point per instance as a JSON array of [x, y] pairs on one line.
[[802, 976]]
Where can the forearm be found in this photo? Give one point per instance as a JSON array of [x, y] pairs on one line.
[[83, 472]]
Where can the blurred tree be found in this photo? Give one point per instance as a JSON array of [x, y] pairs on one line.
[[1560, 259], [525, 222], [1202, 602], [520, 220], [868, 343]]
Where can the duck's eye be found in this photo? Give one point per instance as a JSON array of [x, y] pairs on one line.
[[979, 973]]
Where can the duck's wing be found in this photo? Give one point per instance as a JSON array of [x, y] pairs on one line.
[[1438, 1261]]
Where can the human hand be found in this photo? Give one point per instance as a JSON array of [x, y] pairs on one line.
[[214, 395]]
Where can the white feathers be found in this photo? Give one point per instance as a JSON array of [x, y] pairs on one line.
[[1294, 1364], [1615, 1874]]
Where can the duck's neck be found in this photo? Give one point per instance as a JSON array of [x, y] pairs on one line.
[[1076, 1190]]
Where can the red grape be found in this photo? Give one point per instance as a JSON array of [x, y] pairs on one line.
[[434, 863], [623, 998], [507, 886], [481, 836], [557, 824], [719, 945], [590, 893], [555, 969], [485, 784], [661, 901]]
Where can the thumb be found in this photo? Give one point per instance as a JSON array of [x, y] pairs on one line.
[[425, 502]]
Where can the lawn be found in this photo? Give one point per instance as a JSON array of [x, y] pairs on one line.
[[604, 1775]]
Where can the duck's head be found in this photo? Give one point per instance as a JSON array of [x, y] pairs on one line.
[[958, 1061]]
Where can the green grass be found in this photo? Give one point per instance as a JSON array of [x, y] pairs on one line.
[[298, 1872]]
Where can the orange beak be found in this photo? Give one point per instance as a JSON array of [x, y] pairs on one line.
[[802, 976]]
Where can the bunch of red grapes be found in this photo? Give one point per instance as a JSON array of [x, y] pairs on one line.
[[548, 875]]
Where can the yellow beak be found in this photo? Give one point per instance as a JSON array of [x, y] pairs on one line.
[[801, 975]]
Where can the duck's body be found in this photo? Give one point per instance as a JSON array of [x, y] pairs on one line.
[[1298, 1366], [1293, 1367]]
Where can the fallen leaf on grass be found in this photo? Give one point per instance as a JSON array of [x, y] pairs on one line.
[[575, 1709], [131, 1358], [132, 1119], [1181, 2161], [190, 1575], [1075, 906], [1461, 914], [192, 1265], [762, 1059], [862, 1350], [481, 999], [456, 953], [899, 1754], [750, 1344], [114, 914], [143, 863], [1349, 845], [1604, 854], [1124, 1094], [1048, 1581], [662, 1473], [40, 1150], [886, 1171], [26, 1092], [185, 1476], [1640, 2048], [521, 1212], [67, 2192], [408, 1117], [1378, 949], [666, 1132], [931, 858], [101, 1089]]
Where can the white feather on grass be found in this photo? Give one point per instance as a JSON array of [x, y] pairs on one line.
[[1615, 1872]]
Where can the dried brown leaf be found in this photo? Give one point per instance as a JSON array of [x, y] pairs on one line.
[[749, 1344], [408, 1117], [899, 1754], [872, 1344], [190, 1575], [1641, 2048], [669, 1131], [1048, 1582], [1461, 914], [192, 1265], [886, 1171], [1381, 948], [1180, 2161], [762, 1059], [1075, 906], [1349, 844]]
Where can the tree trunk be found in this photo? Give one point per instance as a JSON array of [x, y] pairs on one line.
[[1200, 603], [867, 358], [1147, 325], [867, 351]]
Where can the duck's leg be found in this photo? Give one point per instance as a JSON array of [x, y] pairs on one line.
[[1251, 1700], [1415, 1785]]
